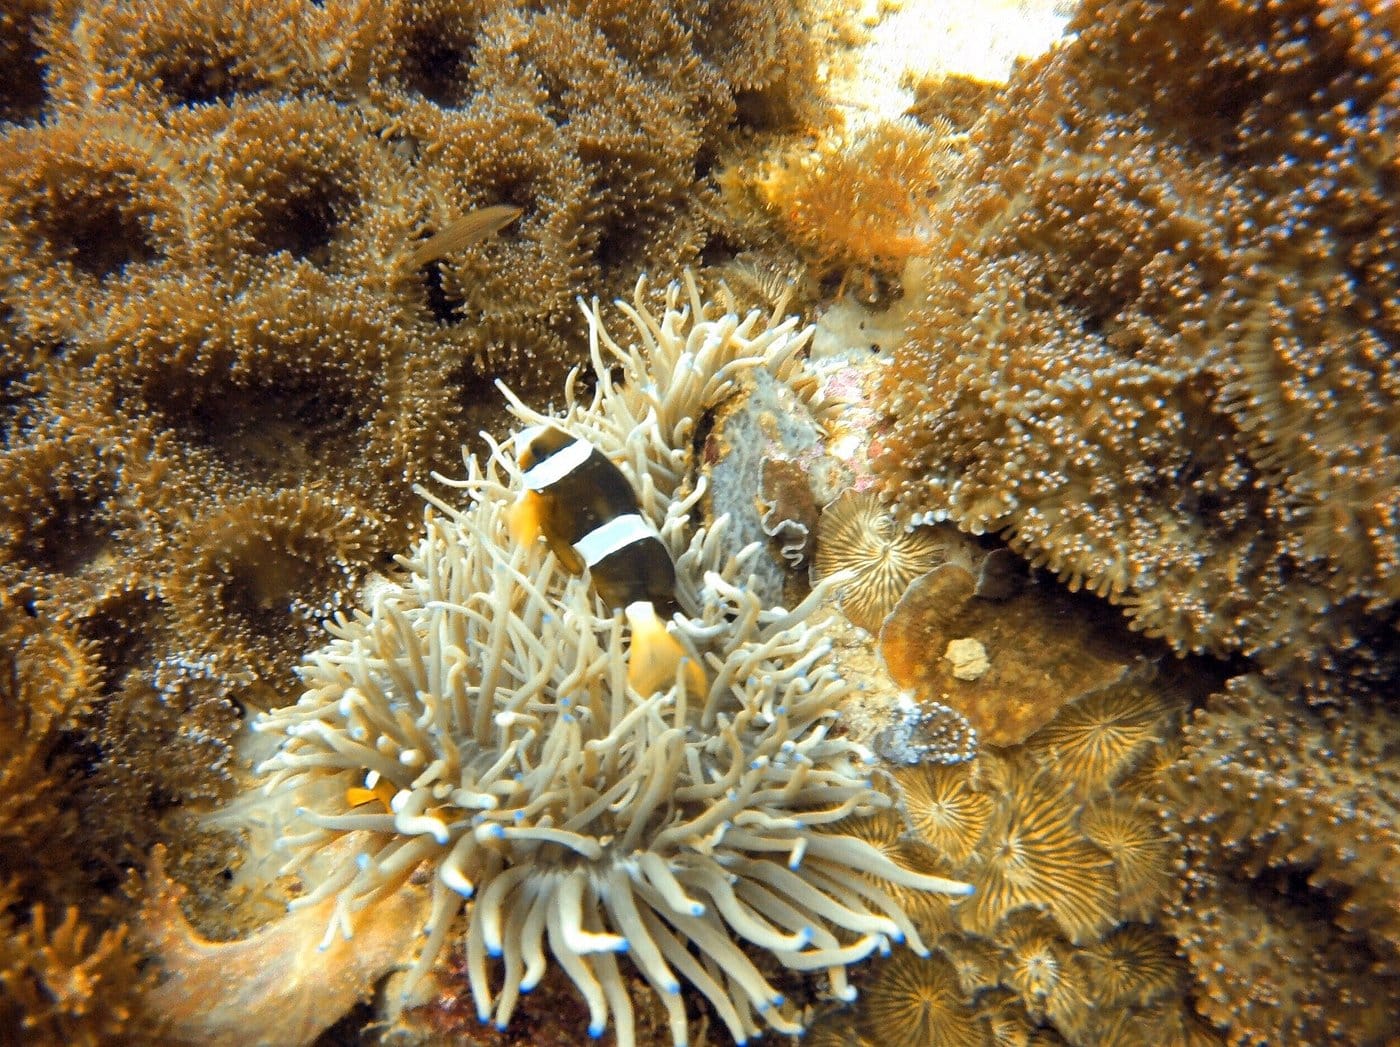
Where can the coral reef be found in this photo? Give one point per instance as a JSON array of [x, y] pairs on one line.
[[1044, 648], [1061, 834], [916, 1003], [226, 353], [1037, 857], [859, 197], [72, 978], [1157, 342], [1154, 349], [1150, 298], [763, 455], [1152, 345], [220, 992], [63, 984], [46, 681], [1291, 835], [855, 534], [473, 731]]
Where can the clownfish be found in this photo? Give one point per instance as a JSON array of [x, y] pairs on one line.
[[585, 509]]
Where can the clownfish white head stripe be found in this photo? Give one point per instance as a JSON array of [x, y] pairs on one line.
[[613, 537], [552, 470]]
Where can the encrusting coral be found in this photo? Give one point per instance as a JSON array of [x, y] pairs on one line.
[[1157, 343], [1291, 833], [66, 975], [473, 729]]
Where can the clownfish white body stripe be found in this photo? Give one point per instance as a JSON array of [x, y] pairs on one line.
[[612, 538], [582, 505]]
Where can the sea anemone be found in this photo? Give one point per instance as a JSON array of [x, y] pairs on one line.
[[475, 726]]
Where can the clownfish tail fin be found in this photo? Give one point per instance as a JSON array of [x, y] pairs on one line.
[[656, 657]]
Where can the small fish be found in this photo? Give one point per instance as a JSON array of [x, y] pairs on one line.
[[584, 508], [470, 228], [375, 788]]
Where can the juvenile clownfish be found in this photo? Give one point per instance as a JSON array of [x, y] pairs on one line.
[[584, 508]]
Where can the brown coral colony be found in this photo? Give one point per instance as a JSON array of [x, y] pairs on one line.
[[1156, 352], [220, 375], [260, 265]]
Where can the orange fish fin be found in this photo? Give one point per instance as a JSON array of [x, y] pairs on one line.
[[354, 796], [523, 519], [526, 521], [382, 791], [656, 658]]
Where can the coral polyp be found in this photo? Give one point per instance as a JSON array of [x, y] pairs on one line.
[[476, 722]]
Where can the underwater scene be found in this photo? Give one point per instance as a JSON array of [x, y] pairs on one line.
[[694, 522]]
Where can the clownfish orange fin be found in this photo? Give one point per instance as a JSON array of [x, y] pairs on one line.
[[523, 519], [355, 796], [380, 790], [656, 657]]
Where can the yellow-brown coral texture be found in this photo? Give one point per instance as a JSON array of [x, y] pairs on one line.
[[221, 372], [1292, 876], [1159, 350]]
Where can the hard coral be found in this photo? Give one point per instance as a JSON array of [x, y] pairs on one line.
[[856, 535], [1157, 350], [948, 807], [476, 725], [1034, 855]]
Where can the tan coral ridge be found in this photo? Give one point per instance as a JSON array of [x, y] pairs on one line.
[[1158, 346], [472, 730], [213, 355]]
